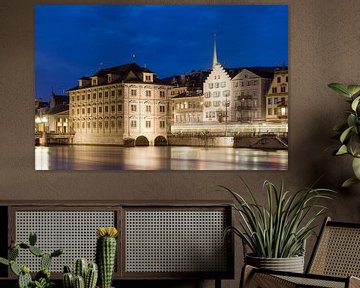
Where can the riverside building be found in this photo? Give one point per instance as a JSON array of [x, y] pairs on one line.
[[120, 105], [277, 96]]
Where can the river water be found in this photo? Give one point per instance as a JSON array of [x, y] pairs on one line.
[[83, 157]]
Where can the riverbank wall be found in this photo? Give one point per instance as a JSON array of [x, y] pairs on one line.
[[258, 142]]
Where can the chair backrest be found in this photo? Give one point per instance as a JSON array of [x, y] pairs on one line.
[[337, 251]]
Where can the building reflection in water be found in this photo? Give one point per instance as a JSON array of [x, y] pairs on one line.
[[157, 158]]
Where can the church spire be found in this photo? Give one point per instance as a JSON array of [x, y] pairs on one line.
[[215, 60]]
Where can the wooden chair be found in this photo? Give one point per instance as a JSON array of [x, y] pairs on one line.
[[334, 263]]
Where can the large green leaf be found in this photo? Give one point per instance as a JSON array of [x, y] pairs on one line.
[[351, 120], [355, 103], [353, 89], [342, 150], [356, 167], [345, 134], [351, 181], [354, 145], [341, 89]]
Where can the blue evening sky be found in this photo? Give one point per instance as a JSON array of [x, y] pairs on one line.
[[72, 41]]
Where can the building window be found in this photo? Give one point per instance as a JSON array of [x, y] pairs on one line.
[[270, 111], [275, 111], [94, 96], [77, 111], [133, 92], [119, 123], [287, 79], [112, 124], [72, 111], [276, 100], [216, 103], [119, 107], [217, 85], [100, 124], [133, 123], [211, 85], [106, 124], [283, 89], [106, 94], [207, 104], [106, 108], [148, 93], [100, 95], [133, 107], [162, 124], [77, 97], [83, 97], [162, 108], [148, 108], [119, 92], [88, 96], [112, 93], [112, 108], [278, 79], [100, 109], [88, 125], [94, 109], [269, 101], [223, 84], [148, 124], [94, 125], [83, 111], [162, 94], [83, 125], [88, 110], [274, 90]]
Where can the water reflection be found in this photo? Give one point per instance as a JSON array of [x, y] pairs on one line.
[[157, 158]]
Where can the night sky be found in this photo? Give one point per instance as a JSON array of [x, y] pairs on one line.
[[72, 41]]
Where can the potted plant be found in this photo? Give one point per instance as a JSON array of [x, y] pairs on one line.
[[349, 132], [42, 278], [276, 233]]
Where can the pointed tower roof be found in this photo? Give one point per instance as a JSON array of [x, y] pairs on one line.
[[215, 60]]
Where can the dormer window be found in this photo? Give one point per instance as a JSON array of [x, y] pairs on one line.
[[109, 80], [94, 81], [148, 77]]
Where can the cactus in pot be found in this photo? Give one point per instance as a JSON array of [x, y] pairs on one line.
[[85, 275], [42, 278], [106, 254]]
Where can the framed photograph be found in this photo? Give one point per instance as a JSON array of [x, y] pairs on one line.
[[161, 87]]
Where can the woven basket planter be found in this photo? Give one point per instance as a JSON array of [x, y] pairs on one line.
[[291, 264]]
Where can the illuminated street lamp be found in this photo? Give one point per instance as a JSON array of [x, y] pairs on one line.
[[40, 123]]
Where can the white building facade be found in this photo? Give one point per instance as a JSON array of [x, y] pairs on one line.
[[119, 104], [219, 104], [249, 88]]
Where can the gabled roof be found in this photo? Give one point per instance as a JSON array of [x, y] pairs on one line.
[[58, 109], [193, 79], [131, 72]]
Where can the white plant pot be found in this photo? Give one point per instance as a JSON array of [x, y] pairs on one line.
[[291, 264]]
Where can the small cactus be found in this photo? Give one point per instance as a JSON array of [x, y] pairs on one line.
[[80, 267], [91, 276], [106, 254], [13, 253], [32, 239], [42, 278], [24, 280], [45, 261], [79, 282], [68, 280], [84, 274]]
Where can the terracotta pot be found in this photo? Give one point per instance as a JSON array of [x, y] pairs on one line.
[[291, 264]]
